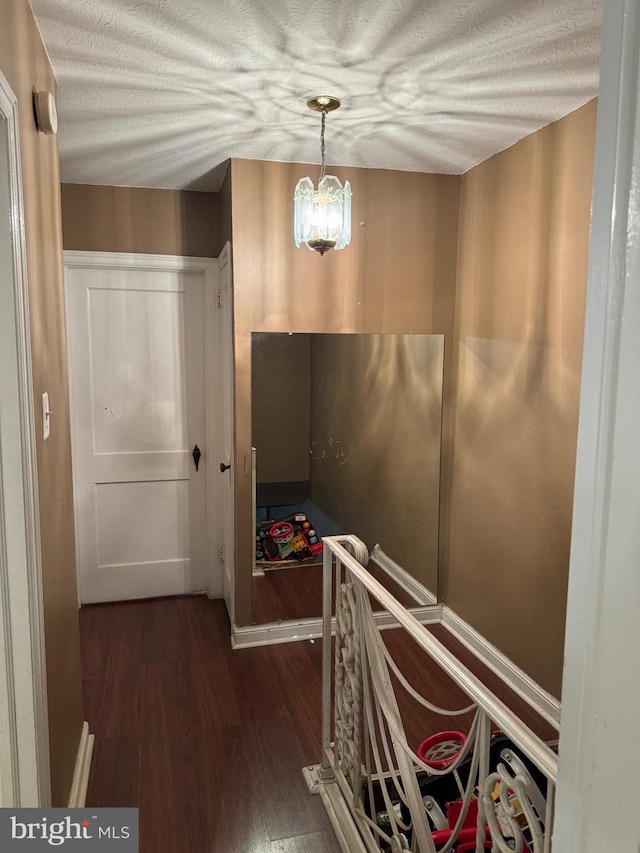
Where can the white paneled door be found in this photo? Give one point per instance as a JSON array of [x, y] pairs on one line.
[[137, 356]]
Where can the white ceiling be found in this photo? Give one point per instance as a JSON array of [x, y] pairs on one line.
[[160, 93]]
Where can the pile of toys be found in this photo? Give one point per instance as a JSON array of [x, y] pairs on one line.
[[289, 538], [443, 796]]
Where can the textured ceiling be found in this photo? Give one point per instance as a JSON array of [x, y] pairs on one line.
[[160, 93]]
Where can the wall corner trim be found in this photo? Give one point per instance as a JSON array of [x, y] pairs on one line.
[[78, 795], [543, 702]]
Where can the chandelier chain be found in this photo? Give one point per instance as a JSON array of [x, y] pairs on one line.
[[322, 145]]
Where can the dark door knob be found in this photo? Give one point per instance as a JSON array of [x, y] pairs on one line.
[[197, 453], [224, 467]]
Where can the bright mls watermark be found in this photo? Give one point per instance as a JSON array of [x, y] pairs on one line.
[[26, 830]]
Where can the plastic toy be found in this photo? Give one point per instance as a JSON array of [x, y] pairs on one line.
[[289, 539]]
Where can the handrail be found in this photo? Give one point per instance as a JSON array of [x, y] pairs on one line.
[[536, 749]]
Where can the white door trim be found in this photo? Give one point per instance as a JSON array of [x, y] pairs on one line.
[[214, 390], [129, 261], [28, 781], [598, 782], [222, 365], [153, 263]]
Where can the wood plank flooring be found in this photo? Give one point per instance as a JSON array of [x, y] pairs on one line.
[[209, 743]]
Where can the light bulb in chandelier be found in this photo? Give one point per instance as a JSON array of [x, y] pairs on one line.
[[322, 216]]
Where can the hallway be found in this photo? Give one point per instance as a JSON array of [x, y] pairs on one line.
[[210, 743], [207, 742]]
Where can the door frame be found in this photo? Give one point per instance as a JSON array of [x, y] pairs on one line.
[[219, 311], [598, 783], [23, 709], [163, 263]]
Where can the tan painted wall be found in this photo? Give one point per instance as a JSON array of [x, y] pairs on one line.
[[380, 396], [226, 225], [134, 219], [24, 63], [522, 271], [280, 410], [398, 275]]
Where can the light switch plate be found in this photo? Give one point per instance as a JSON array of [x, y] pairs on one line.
[[46, 416]]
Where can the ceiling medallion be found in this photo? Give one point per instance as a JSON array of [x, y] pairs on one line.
[[322, 216]]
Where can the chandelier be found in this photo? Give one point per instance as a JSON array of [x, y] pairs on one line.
[[322, 217]]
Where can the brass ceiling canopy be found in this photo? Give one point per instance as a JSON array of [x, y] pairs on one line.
[[323, 103]]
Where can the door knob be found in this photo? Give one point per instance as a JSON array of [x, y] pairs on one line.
[[197, 453], [224, 467]]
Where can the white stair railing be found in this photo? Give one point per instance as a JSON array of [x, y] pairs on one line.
[[380, 794]]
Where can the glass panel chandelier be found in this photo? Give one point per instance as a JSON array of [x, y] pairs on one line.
[[322, 217]]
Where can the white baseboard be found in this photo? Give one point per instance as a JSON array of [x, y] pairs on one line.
[[269, 633], [419, 593], [78, 795], [544, 703], [345, 830], [294, 630]]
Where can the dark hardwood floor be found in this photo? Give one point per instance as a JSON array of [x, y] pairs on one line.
[[209, 743]]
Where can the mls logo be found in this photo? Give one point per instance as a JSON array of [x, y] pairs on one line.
[[72, 829], [55, 833]]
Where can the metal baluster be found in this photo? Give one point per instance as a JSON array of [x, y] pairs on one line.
[[338, 642], [483, 743], [548, 817], [325, 771]]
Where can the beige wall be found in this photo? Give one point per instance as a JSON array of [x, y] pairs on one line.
[[280, 407], [380, 396], [226, 225], [150, 221], [24, 63], [398, 275], [522, 271]]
